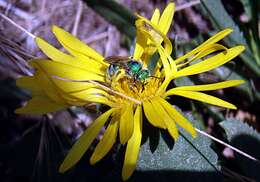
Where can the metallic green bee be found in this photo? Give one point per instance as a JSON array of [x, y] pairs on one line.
[[132, 68]]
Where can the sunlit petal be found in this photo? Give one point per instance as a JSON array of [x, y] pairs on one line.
[[166, 18], [75, 46], [126, 123], [208, 87], [66, 71], [178, 117], [155, 17], [133, 146], [151, 115], [169, 122], [208, 49], [85, 140], [210, 63], [215, 38], [202, 97], [40, 105], [107, 141], [58, 56]]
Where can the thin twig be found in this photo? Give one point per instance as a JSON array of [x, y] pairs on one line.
[[96, 37], [187, 5], [18, 26], [77, 18], [16, 11], [227, 145]]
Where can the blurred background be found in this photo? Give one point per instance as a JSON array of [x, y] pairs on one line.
[[32, 147]]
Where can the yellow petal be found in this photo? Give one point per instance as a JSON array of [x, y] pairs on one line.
[[126, 123], [153, 33], [202, 97], [208, 49], [61, 57], [210, 63], [166, 18], [133, 146], [106, 142], [49, 88], [178, 117], [71, 86], [156, 37], [139, 45], [75, 46], [29, 82], [81, 98], [151, 116], [52, 52], [40, 105], [88, 91], [52, 68], [165, 62], [99, 99], [83, 143], [156, 16], [169, 122], [208, 87], [211, 40]]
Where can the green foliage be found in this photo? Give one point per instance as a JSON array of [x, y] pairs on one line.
[[245, 138], [221, 19], [228, 72], [186, 160]]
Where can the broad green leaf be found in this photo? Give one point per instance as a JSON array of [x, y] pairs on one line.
[[221, 19], [186, 160], [247, 139], [227, 72], [247, 7], [116, 14]]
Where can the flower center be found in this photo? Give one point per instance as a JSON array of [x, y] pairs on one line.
[[140, 86]]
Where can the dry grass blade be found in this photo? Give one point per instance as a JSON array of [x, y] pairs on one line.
[[15, 53], [187, 5], [227, 145], [18, 26]]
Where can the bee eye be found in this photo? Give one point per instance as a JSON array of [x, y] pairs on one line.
[[134, 66]]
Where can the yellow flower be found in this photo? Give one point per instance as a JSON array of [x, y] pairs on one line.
[[77, 79]]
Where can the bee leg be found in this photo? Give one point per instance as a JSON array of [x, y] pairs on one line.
[[143, 84]]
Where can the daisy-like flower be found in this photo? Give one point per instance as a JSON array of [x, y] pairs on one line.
[[80, 77]]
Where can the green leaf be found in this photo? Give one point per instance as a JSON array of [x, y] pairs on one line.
[[187, 160], [245, 138], [220, 18], [247, 8], [116, 14], [227, 72]]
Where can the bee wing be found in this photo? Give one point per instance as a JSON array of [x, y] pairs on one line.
[[117, 59]]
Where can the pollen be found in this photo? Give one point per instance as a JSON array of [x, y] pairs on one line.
[[133, 88]]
